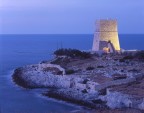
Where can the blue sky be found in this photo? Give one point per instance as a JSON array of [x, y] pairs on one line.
[[69, 16]]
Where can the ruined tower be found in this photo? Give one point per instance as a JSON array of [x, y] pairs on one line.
[[106, 36]]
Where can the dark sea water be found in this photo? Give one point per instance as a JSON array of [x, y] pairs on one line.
[[20, 50]]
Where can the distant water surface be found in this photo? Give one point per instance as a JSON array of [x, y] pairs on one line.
[[20, 50]]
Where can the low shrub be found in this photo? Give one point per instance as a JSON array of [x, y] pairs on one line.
[[98, 101], [133, 70], [100, 66], [119, 76], [57, 61], [59, 72], [139, 55], [122, 60], [71, 71], [61, 61], [85, 81], [103, 92], [122, 70], [84, 91], [128, 57], [90, 68], [73, 53]]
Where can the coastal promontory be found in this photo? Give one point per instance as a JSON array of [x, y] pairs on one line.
[[98, 81]]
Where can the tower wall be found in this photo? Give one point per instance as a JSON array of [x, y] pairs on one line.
[[96, 42], [106, 26], [111, 36], [106, 30]]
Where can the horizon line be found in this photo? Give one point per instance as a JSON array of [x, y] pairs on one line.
[[70, 34]]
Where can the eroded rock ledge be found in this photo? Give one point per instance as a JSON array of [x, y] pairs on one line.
[[94, 82]]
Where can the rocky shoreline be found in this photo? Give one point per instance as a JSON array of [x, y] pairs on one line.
[[19, 80], [72, 95], [100, 88], [69, 97]]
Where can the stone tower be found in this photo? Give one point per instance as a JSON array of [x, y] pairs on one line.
[[106, 36]]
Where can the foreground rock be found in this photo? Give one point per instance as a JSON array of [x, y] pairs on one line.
[[40, 75], [69, 88], [95, 82]]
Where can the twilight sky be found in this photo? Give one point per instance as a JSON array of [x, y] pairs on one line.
[[69, 16]]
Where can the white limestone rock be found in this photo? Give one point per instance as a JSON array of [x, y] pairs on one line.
[[116, 100], [141, 106]]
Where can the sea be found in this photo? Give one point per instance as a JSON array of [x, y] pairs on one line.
[[20, 50]]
